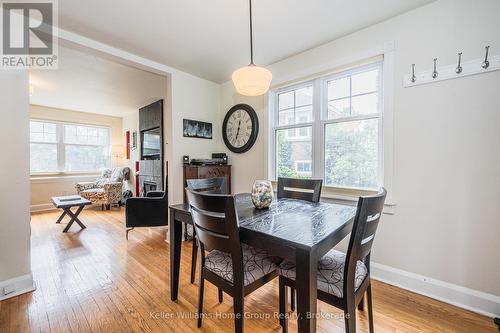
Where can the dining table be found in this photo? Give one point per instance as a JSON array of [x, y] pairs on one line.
[[295, 230]]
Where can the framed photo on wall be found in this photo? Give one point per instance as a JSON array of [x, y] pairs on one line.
[[196, 129], [133, 146]]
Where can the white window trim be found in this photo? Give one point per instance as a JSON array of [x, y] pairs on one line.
[[387, 168], [60, 148]]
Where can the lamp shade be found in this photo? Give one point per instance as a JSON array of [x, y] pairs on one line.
[[252, 80]]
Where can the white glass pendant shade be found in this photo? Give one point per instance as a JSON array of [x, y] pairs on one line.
[[252, 80]]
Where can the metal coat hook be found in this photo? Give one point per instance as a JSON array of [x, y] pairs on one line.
[[486, 63], [413, 77], [435, 73], [459, 68]]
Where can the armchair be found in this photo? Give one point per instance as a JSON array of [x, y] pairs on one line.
[[149, 211], [107, 189]]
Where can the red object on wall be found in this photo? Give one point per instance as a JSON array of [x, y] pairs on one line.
[[127, 136], [136, 178]]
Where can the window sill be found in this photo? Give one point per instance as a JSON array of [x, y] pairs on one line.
[[62, 177], [338, 195], [348, 196]]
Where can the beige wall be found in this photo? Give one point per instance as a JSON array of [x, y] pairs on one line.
[[192, 98], [14, 187], [131, 123], [251, 165], [43, 188], [446, 224]]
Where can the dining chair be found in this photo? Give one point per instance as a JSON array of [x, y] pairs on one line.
[[303, 189], [343, 278], [233, 267], [206, 185], [297, 188]]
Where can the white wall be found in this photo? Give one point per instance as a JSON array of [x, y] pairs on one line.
[[43, 188], [447, 160], [251, 165], [197, 99], [131, 123], [14, 188]]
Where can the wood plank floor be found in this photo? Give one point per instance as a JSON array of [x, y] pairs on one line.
[[96, 281]]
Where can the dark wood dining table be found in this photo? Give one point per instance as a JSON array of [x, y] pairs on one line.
[[292, 229]]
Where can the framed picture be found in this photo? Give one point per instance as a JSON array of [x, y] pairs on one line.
[[133, 146], [127, 140], [196, 129]]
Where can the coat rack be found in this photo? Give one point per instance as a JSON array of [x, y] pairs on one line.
[[455, 71]]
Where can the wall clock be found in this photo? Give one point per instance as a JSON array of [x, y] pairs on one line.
[[240, 128]]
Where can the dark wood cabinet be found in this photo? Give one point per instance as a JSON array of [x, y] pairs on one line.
[[151, 116], [207, 171]]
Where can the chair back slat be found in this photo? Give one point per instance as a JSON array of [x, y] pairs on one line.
[[371, 228], [208, 185], [365, 225], [303, 189], [214, 223], [212, 240], [366, 246], [214, 203]]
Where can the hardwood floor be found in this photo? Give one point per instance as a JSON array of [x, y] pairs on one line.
[[96, 281]]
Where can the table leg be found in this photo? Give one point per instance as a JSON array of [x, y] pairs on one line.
[[74, 218], [175, 254], [307, 294], [61, 217]]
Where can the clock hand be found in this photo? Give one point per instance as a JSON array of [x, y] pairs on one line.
[[238, 131]]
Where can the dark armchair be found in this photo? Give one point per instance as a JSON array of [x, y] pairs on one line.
[[149, 211]]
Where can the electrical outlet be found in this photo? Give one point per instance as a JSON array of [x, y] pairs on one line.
[[9, 289]]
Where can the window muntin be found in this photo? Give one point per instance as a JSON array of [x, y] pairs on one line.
[[295, 106], [343, 132], [62, 147]]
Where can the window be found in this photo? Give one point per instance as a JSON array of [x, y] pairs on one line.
[[331, 128], [293, 133], [63, 147], [303, 168]]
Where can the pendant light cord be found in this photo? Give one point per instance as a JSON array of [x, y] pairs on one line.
[[251, 35]]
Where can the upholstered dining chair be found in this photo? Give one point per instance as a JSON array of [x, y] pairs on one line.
[[343, 278], [233, 267], [205, 185], [303, 189]]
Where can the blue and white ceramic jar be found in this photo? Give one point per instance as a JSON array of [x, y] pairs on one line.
[[262, 194]]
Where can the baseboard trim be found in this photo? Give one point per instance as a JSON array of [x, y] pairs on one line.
[[469, 299], [21, 285], [41, 207]]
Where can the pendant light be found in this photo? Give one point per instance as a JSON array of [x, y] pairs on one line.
[[252, 80]]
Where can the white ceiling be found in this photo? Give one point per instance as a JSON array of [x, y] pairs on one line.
[[88, 83], [209, 38]]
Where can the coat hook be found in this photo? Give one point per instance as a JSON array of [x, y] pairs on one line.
[[486, 63], [435, 73], [459, 68], [413, 77]]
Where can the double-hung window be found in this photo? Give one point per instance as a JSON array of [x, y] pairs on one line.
[[57, 147], [331, 128]]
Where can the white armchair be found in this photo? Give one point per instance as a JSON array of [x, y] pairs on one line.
[[107, 189]]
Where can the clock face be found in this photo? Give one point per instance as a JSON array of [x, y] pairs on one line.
[[240, 128]]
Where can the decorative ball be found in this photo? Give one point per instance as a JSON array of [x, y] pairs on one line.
[[262, 194]]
